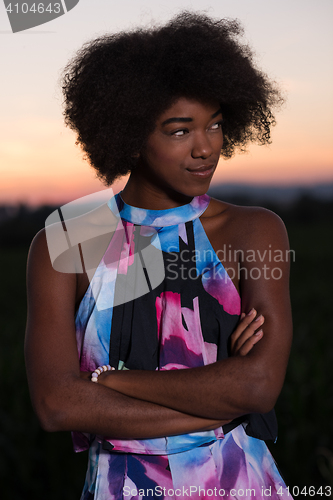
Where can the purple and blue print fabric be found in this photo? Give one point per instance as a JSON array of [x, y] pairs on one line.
[[183, 321]]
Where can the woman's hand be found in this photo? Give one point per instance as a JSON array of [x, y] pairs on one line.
[[131, 382], [247, 333]]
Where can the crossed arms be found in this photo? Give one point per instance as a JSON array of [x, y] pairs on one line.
[[144, 404]]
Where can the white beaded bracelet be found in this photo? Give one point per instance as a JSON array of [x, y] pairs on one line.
[[99, 370]]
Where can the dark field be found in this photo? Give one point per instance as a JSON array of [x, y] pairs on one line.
[[41, 466]]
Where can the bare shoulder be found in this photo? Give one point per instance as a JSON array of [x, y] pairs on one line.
[[65, 251], [244, 224], [73, 244], [38, 244], [38, 253], [260, 227], [45, 250], [252, 215], [42, 275]]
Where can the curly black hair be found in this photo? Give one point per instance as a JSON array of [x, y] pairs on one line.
[[118, 85]]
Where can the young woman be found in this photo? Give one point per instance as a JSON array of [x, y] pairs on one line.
[[174, 293]]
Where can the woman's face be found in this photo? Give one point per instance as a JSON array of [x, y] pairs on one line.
[[181, 154]]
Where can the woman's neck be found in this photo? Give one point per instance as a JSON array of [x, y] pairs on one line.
[[142, 194]]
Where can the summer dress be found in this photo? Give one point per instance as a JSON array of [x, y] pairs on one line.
[[161, 299]]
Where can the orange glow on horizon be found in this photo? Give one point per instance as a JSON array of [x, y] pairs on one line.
[[40, 164]]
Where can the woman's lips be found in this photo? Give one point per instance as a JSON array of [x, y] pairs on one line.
[[203, 172]]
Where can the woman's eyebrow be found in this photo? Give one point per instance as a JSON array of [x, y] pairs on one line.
[[184, 119], [218, 112], [175, 119]]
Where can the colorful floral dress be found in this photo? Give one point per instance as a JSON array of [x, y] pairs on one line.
[[161, 299]]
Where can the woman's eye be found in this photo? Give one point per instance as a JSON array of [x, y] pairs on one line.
[[179, 133], [216, 125]]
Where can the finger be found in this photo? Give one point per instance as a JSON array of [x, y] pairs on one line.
[[245, 320], [249, 330], [240, 338], [248, 345]]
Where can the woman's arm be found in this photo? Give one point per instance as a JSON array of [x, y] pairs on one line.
[[240, 384], [62, 400]]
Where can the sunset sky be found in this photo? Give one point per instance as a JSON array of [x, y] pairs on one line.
[[293, 40]]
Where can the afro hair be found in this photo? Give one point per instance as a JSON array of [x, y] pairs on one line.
[[119, 84]]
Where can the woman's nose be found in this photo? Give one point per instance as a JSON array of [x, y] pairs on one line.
[[201, 147]]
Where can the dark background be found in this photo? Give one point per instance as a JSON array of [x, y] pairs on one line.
[[42, 466]]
